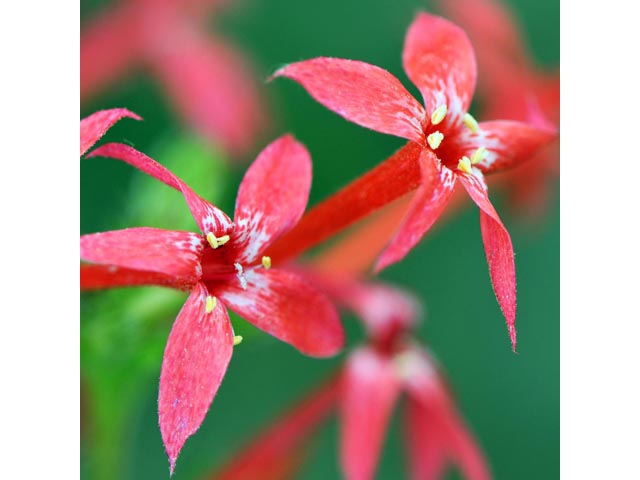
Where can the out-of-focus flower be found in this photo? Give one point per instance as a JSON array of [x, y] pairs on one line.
[[440, 61], [210, 83], [93, 127], [512, 86], [224, 262], [371, 383]]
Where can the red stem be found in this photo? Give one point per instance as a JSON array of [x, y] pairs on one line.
[[394, 177]]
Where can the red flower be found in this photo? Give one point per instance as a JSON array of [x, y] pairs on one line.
[[512, 87], [439, 59], [96, 125], [223, 266], [210, 83]]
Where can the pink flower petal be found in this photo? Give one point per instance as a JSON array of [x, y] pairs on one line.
[[439, 60], [426, 454], [195, 360], [498, 249], [277, 452], [212, 88], [98, 277], [283, 304], [272, 196], [361, 93], [208, 217], [96, 125], [427, 205], [109, 47], [509, 143], [371, 389], [149, 249]]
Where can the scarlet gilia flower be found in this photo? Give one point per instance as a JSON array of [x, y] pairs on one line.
[[440, 61], [93, 127], [514, 87], [222, 266], [210, 83], [370, 385]]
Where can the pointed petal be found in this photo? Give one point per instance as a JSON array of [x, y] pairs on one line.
[[109, 47], [277, 452], [371, 389], [427, 205], [272, 196], [510, 143], [362, 93], [212, 88], [208, 217], [96, 125], [149, 249], [439, 60], [427, 389], [195, 360], [283, 304], [498, 249], [426, 454], [97, 277]]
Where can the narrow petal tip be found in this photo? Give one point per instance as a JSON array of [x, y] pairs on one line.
[[512, 336]]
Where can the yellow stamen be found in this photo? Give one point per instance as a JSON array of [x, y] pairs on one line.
[[210, 304], [464, 165], [266, 262], [237, 340], [438, 114], [470, 122], [435, 139], [479, 155], [216, 242]]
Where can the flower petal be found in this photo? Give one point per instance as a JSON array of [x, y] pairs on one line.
[[498, 249], [427, 205], [195, 360], [426, 453], [212, 88], [208, 217], [277, 452], [509, 143], [283, 304], [96, 125], [439, 60], [272, 196], [362, 93], [150, 249], [97, 277], [371, 389]]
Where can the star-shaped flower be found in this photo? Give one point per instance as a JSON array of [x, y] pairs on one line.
[[440, 61], [222, 266]]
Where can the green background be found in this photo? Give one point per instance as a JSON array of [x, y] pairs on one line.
[[511, 402]]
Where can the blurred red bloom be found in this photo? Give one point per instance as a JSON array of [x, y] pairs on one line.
[[440, 61], [93, 127], [210, 83], [513, 87], [225, 262], [366, 392]]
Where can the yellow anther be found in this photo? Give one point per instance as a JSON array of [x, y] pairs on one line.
[[479, 155], [438, 114], [266, 262], [237, 340], [470, 122], [464, 165], [216, 242], [210, 304], [435, 139]]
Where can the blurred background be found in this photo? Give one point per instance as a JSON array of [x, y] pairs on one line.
[[511, 402]]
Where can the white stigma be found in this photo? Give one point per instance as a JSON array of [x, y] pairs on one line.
[[435, 139], [240, 275], [438, 114]]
